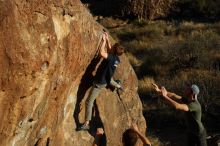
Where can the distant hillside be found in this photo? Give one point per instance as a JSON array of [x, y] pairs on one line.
[[155, 9]]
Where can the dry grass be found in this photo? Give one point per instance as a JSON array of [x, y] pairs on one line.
[[145, 85], [161, 49], [171, 53], [155, 141]]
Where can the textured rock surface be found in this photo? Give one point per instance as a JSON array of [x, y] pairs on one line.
[[46, 70]]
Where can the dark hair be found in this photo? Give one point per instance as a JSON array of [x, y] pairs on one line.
[[118, 49], [129, 138]]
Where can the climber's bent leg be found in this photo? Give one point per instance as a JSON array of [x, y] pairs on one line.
[[94, 92]]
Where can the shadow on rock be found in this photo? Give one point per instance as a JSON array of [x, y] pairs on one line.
[[85, 84]]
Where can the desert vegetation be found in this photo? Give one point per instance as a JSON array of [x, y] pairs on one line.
[[172, 53], [181, 44], [155, 9]]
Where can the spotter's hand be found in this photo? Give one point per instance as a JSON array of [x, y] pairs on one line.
[[156, 88]]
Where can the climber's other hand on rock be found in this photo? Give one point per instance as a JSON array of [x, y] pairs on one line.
[[120, 88]]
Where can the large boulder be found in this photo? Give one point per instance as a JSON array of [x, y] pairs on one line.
[[47, 65]]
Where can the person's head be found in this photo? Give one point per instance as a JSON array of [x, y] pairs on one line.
[[118, 49], [191, 91], [129, 138]]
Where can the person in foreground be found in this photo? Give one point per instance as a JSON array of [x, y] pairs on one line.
[[98, 137], [196, 132], [104, 76], [130, 137]]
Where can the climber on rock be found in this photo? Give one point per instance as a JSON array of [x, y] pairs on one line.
[[196, 132], [131, 136], [103, 77]]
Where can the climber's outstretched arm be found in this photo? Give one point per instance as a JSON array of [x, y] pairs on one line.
[[169, 94], [102, 52], [109, 47]]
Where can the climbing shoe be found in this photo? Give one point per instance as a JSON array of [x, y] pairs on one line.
[[83, 127]]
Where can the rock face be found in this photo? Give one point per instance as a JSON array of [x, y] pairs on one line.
[[46, 70]]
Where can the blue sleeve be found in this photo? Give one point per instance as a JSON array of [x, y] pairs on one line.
[[110, 57]]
